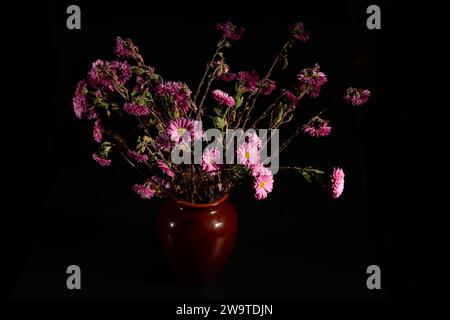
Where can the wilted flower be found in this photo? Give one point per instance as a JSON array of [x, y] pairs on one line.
[[145, 191], [165, 118], [317, 127], [290, 98], [101, 161], [152, 187], [229, 76], [162, 165], [80, 104], [249, 79], [356, 97], [122, 70], [267, 87], [124, 48], [230, 31], [98, 136], [311, 80], [163, 141], [136, 156], [299, 32], [135, 109], [179, 92], [101, 75]]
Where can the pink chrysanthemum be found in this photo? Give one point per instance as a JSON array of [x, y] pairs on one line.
[[152, 187], [230, 31], [198, 130], [267, 87], [263, 184], [311, 80], [123, 48], [254, 140], [248, 154], [290, 98], [101, 161], [98, 128], [357, 97], [259, 169], [137, 157], [317, 127], [163, 141], [80, 104], [160, 183], [122, 71], [335, 186], [299, 32], [249, 79], [229, 76], [181, 130], [165, 168], [145, 191], [223, 98], [101, 75], [135, 109], [211, 160], [170, 88], [179, 92]]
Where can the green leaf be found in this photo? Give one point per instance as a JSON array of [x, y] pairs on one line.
[[312, 175], [137, 70], [155, 77], [276, 116], [219, 122], [239, 101], [285, 62], [241, 170]]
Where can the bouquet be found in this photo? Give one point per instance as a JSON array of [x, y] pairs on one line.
[[199, 145]]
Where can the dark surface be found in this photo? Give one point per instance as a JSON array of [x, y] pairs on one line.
[[296, 244]]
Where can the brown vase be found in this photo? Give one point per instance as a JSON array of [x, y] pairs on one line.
[[197, 239]]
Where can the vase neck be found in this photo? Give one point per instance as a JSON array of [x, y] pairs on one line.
[[201, 205]]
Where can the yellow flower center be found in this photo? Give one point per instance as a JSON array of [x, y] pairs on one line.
[[181, 131], [247, 155], [261, 184]]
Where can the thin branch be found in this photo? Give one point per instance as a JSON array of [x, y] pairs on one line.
[[264, 114], [208, 66], [268, 74], [200, 106]]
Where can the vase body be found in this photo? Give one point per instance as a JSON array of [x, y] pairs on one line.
[[197, 239]]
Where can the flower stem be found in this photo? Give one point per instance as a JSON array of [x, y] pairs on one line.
[[200, 106], [264, 114], [268, 74], [208, 67]]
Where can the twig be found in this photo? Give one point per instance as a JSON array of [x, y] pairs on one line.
[[208, 66]]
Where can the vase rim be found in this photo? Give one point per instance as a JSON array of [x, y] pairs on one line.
[[200, 205]]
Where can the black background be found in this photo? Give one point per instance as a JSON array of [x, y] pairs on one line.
[[297, 244]]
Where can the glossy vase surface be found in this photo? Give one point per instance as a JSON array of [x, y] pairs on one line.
[[197, 239]]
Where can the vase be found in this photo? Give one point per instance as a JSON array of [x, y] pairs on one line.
[[197, 239]]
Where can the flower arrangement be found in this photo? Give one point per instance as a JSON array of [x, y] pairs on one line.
[[159, 126]]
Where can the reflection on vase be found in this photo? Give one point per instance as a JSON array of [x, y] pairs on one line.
[[197, 239]]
